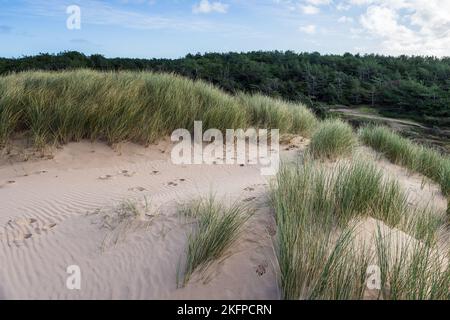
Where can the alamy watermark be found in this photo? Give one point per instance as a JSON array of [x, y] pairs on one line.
[[73, 22], [374, 278], [73, 281], [252, 147]]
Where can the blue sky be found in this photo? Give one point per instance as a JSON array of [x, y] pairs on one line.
[[173, 28]]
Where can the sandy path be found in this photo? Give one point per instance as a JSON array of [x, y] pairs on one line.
[[393, 121], [49, 220]]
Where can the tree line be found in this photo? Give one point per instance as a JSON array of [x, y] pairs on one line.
[[416, 87]]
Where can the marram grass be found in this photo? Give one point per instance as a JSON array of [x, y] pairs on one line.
[[272, 113], [411, 270], [313, 264], [314, 206], [58, 107], [216, 229], [348, 190], [404, 152], [333, 139]]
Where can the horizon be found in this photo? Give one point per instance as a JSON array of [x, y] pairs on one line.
[[147, 29], [229, 52]]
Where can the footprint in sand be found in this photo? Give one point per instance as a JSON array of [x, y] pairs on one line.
[[174, 184], [155, 172], [249, 199], [138, 189], [24, 221], [23, 228], [124, 173], [49, 226], [7, 183], [271, 230], [105, 177], [249, 189], [261, 269], [127, 173]]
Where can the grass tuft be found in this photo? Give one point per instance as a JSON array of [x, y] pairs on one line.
[[333, 139], [404, 152], [411, 270], [216, 229], [312, 263], [314, 206], [272, 113], [360, 189]]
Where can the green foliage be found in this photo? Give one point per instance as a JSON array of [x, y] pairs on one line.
[[216, 229], [271, 113], [402, 151], [332, 139], [312, 263], [411, 270], [317, 255], [416, 86], [141, 107], [349, 190], [360, 189]]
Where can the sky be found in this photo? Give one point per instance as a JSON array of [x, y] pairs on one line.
[[174, 28]]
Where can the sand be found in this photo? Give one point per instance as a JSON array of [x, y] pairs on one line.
[[55, 211], [52, 211]]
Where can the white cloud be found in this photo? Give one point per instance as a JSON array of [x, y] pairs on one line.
[[343, 7], [361, 2], [345, 19], [205, 6], [308, 9], [318, 2], [96, 12], [309, 29], [409, 26], [150, 2]]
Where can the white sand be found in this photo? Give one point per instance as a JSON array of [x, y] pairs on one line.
[[51, 214], [49, 219]]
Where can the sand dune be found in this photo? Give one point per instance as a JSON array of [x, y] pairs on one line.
[[50, 219], [53, 213]]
